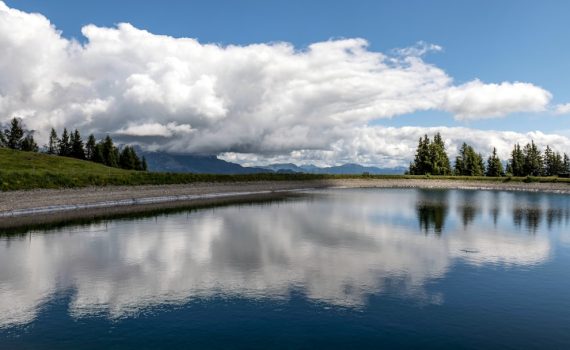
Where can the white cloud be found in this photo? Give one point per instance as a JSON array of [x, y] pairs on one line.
[[476, 100], [265, 99], [155, 129], [391, 146], [562, 108], [419, 49]]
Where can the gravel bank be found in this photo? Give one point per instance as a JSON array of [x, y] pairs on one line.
[[456, 184], [88, 202]]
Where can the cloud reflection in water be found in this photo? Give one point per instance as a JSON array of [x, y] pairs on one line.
[[337, 247]]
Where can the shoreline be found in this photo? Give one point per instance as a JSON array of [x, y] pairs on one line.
[[20, 208]]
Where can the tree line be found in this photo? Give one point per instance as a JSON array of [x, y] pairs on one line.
[[431, 158], [71, 144]]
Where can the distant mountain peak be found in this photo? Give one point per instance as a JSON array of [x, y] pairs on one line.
[[211, 164]]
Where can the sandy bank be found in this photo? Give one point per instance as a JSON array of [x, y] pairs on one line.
[[24, 207]]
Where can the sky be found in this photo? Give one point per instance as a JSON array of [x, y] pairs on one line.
[[324, 82]]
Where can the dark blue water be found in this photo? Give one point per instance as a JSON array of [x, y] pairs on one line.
[[341, 268]]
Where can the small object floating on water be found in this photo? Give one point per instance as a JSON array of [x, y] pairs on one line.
[[470, 251]]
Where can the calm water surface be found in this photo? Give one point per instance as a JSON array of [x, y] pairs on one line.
[[339, 268]]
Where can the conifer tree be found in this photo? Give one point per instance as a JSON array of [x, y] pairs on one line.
[[478, 167], [553, 162], [459, 168], [422, 161], [14, 135], [532, 160], [565, 164], [516, 163], [29, 144], [53, 142], [64, 144], [438, 157], [97, 155], [128, 159], [90, 147], [144, 166], [110, 152], [77, 149], [138, 163], [468, 162], [494, 165], [548, 162], [558, 164]]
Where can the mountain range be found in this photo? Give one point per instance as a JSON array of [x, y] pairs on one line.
[[209, 164]]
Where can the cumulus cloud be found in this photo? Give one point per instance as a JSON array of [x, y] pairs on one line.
[[476, 100], [395, 146], [562, 109], [180, 95]]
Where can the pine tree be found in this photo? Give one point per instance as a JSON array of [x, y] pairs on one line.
[[553, 162], [549, 162], [53, 142], [516, 163], [143, 164], [138, 163], [98, 156], [90, 147], [494, 165], [532, 160], [14, 135], [439, 160], [77, 150], [128, 159], [565, 164], [558, 164], [468, 162], [459, 168], [476, 164], [29, 144], [2, 139], [110, 152], [422, 162], [64, 144]]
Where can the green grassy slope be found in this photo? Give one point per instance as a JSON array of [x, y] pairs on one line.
[[25, 170], [30, 162]]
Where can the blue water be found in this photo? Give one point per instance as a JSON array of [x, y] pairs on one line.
[[370, 268]]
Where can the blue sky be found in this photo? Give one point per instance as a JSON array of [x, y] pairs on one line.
[[493, 41]]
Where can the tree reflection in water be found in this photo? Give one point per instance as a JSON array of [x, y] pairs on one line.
[[468, 207], [432, 210], [529, 217]]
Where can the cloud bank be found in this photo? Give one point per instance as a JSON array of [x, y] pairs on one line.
[[269, 100]]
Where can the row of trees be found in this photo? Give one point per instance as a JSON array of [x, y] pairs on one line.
[[431, 158], [71, 144], [531, 161], [16, 137]]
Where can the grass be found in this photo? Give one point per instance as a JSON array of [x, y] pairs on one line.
[[26, 170]]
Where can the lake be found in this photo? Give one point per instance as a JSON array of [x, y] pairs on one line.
[[335, 268]]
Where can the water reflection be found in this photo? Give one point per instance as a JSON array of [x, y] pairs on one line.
[[530, 217], [432, 210], [337, 247], [468, 207]]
